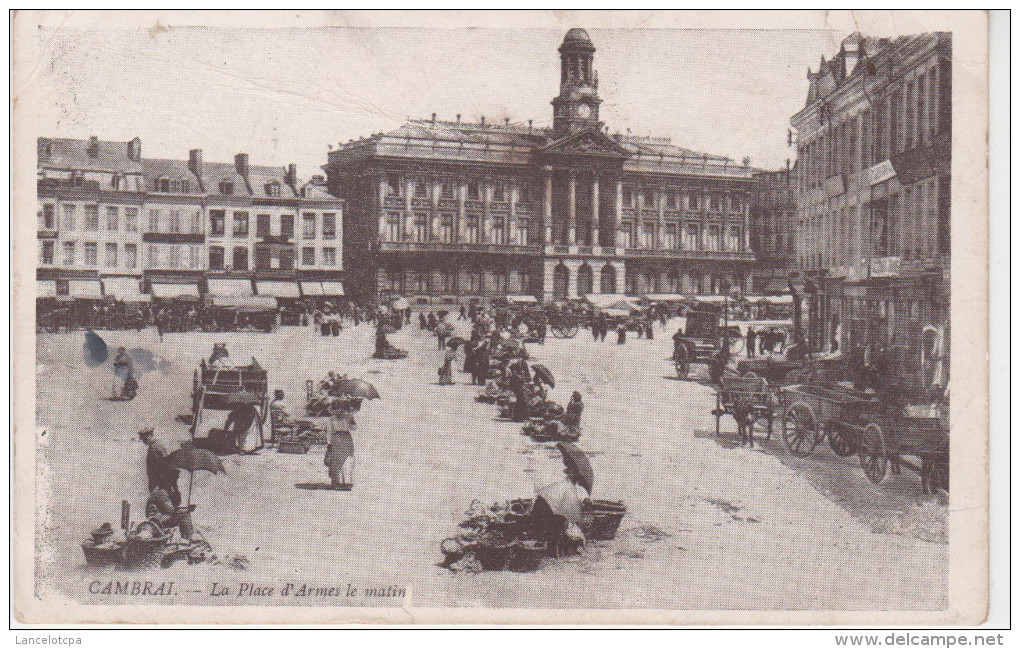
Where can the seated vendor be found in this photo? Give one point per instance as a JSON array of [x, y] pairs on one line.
[[160, 509], [220, 355]]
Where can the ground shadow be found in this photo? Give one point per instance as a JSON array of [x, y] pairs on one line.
[[324, 486]]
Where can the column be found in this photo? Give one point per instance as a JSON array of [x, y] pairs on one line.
[[437, 188], [746, 231], [572, 268], [382, 208], [485, 233], [408, 214], [618, 216], [547, 206], [660, 238], [595, 211], [510, 226], [572, 210], [461, 212]]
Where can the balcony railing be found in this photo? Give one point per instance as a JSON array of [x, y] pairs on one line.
[[438, 246], [714, 255]]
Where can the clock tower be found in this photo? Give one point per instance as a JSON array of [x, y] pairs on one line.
[[577, 106]]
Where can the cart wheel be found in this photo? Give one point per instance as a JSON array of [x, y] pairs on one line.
[[682, 361], [749, 375], [841, 445], [874, 461], [734, 343], [571, 331], [800, 429], [558, 332]]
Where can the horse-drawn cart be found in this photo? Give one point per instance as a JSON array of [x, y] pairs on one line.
[[704, 336], [224, 387], [749, 401], [880, 432]]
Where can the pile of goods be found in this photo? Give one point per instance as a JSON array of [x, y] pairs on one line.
[[517, 534]]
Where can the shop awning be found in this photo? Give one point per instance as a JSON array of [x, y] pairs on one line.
[[230, 287], [333, 288], [174, 290], [125, 289], [45, 288], [777, 285], [711, 298], [245, 302], [775, 299], [311, 288], [522, 299], [278, 289], [664, 297], [604, 299], [88, 289]]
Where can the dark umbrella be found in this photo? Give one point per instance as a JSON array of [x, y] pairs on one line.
[[355, 388], [577, 463], [195, 459], [543, 373], [442, 313], [457, 340]]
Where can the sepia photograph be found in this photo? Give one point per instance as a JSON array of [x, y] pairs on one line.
[[518, 317]]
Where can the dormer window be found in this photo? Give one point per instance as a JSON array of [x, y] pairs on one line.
[[163, 185], [226, 188], [273, 189], [115, 181], [175, 186], [185, 187]]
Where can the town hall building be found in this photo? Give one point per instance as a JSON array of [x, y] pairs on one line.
[[444, 211]]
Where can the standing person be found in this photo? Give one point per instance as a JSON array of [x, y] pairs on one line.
[[621, 334], [423, 323], [124, 386], [161, 322], [463, 313], [446, 369], [340, 449], [157, 468], [571, 418], [650, 329], [751, 339]]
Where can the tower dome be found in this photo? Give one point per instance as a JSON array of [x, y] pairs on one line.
[[577, 35]]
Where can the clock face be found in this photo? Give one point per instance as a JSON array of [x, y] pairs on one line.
[[584, 110]]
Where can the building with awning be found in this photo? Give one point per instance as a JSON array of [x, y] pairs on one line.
[[278, 289], [521, 299], [664, 297], [45, 288], [332, 289], [125, 289], [172, 291], [229, 287], [85, 289]]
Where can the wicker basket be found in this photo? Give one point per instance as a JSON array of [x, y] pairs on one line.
[[600, 519], [103, 555], [140, 552]]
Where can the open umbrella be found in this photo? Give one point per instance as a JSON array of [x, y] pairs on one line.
[[577, 463], [401, 303], [442, 313], [561, 496], [355, 388], [195, 459], [543, 373]]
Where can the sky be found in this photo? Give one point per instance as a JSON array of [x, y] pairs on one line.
[[285, 95]]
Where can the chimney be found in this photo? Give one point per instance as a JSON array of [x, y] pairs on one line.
[[506, 121], [529, 124], [241, 164], [134, 149], [195, 162], [93, 150], [433, 118], [458, 118], [483, 120], [290, 176]]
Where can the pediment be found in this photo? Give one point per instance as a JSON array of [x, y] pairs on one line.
[[590, 142]]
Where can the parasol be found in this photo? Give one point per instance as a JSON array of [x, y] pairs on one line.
[[401, 303], [561, 496], [195, 459], [578, 466], [355, 388], [543, 373], [444, 328]]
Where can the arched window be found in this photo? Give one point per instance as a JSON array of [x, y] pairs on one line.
[[561, 282], [607, 281], [584, 280]]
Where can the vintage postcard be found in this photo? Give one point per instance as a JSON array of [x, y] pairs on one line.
[[500, 317]]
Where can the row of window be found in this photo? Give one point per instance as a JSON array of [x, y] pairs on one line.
[[275, 259], [692, 237], [910, 115], [422, 188], [239, 225], [471, 281], [88, 220], [86, 253], [691, 202]]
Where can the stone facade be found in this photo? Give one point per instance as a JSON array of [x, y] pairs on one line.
[[443, 210], [108, 217]]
